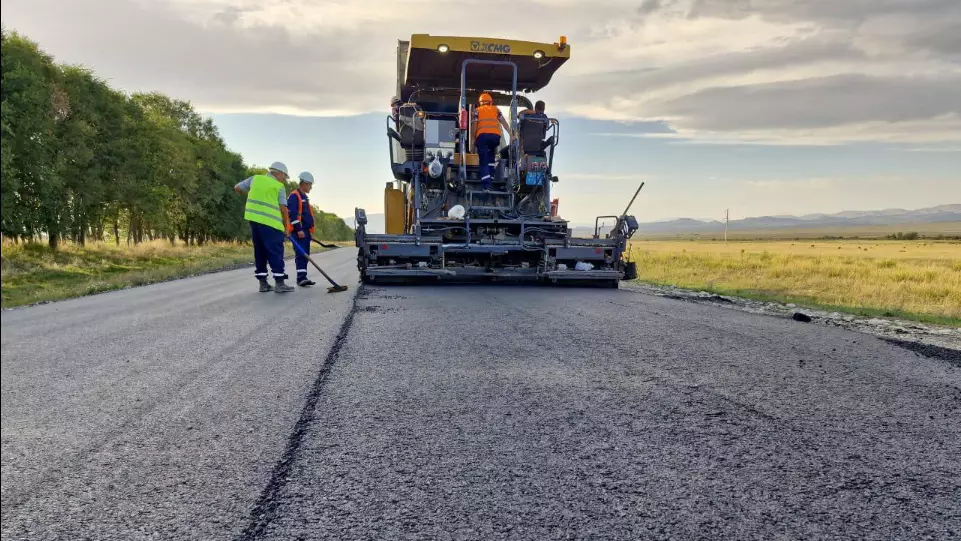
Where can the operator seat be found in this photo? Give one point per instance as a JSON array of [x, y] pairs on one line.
[[410, 124], [533, 129]]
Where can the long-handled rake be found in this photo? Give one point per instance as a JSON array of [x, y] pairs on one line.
[[335, 287], [331, 246]]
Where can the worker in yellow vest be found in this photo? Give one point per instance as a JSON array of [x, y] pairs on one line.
[[266, 211]]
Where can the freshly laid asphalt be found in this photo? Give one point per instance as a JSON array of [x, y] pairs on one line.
[[157, 412], [200, 409]]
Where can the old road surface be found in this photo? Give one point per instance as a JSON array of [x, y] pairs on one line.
[[200, 409]]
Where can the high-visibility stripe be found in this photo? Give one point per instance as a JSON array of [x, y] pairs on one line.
[[262, 204], [266, 215], [300, 210]]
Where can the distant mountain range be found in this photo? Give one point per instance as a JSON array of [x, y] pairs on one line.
[[848, 218], [376, 223], [940, 213]]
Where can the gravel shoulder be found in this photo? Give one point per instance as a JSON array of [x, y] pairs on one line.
[[931, 340]]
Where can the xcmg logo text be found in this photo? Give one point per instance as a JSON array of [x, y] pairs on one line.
[[490, 47]]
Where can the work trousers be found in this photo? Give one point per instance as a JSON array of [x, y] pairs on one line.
[[300, 261], [486, 146], [268, 249]]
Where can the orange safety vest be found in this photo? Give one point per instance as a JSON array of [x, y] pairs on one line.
[[487, 119], [300, 211]]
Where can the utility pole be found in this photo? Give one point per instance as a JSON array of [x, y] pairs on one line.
[[726, 216]]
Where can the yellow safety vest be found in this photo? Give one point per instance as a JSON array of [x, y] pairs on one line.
[[487, 120], [262, 202]]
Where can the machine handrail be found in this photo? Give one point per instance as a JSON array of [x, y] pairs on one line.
[[597, 221], [618, 224], [391, 133], [556, 127], [463, 106]]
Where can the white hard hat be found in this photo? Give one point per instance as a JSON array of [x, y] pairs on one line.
[[306, 177], [279, 166], [456, 212]]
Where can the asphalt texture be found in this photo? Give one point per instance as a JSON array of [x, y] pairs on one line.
[[158, 412], [199, 409]]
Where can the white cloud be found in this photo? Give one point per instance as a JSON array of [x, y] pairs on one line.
[[604, 177], [930, 149], [792, 184], [722, 71], [935, 130]]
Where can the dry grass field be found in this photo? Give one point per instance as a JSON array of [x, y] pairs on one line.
[[918, 279], [946, 229], [31, 272]]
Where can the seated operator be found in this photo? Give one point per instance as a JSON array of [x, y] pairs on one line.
[[532, 126], [395, 109]]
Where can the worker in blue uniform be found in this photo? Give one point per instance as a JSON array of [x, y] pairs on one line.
[[302, 221]]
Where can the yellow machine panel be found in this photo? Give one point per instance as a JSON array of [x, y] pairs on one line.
[[471, 159], [393, 211], [434, 62], [491, 45]]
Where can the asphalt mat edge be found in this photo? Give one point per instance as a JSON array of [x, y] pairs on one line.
[[265, 509]]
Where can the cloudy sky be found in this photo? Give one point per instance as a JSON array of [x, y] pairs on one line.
[[760, 106]]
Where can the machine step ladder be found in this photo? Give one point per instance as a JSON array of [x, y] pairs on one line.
[[480, 194]]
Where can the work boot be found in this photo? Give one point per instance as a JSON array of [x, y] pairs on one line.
[[306, 282], [282, 287], [265, 287]]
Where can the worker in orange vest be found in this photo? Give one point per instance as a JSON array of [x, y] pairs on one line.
[[487, 136], [302, 222]]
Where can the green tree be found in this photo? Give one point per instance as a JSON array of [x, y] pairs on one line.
[[81, 159], [28, 176]]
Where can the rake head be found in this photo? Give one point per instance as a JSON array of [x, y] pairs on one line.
[[336, 289]]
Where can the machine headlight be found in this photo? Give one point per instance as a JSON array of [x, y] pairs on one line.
[[538, 54], [443, 48]]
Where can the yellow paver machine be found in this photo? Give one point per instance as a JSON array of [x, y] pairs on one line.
[[441, 222]]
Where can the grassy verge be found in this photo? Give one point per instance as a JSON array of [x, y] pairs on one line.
[[917, 280], [32, 272]]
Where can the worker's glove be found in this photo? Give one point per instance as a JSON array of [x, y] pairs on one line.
[[300, 235]]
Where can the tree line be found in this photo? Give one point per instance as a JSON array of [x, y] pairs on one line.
[[83, 161]]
